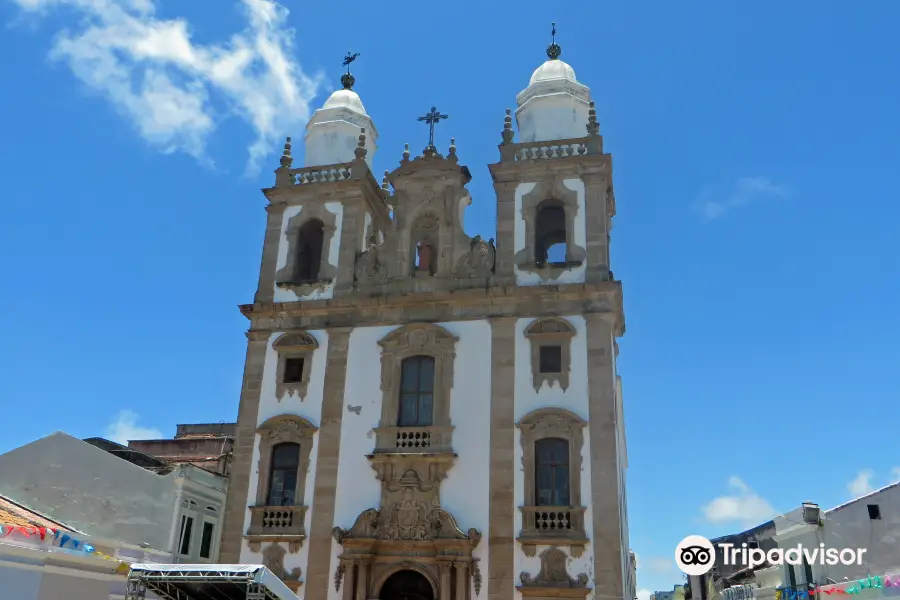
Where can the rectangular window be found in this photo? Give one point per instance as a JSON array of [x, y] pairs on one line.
[[874, 511], [206, 541], [187, 525], [551, 359], [293, 370]]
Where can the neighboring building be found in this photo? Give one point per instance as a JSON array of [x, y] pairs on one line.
[[425, 413], [205, 445], [662, 596], [175, 510], [677, 593], [32, 568], [870, 522]]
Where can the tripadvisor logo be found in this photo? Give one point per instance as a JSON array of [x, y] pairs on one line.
[[696, 555]]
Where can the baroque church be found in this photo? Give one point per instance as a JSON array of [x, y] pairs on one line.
[[426, 415]]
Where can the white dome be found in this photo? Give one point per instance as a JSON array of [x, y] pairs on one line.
[[345, 99], [553, 69]]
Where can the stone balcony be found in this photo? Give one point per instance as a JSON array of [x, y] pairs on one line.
[[552, 526], [276, 524], [414, 440]]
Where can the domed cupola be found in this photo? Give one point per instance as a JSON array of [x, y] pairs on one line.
[[554, 106], [332, 133]]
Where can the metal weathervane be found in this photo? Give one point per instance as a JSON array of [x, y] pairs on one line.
[[349, 59], [431, 118], [347, 79]]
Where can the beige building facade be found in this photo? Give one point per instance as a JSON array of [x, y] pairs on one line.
[[425, 414]]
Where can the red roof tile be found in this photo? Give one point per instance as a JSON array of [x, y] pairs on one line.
[[12, 513]]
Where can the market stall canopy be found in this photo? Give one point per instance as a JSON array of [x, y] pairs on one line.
[[205, 582]]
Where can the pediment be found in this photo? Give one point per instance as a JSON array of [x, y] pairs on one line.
[[419, 336]]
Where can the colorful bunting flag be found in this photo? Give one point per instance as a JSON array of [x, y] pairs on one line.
[[64, 538], [853, 588]]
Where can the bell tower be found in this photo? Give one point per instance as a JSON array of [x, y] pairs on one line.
[[554, 189]]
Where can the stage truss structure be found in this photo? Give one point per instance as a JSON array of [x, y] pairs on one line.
[[205, 582]]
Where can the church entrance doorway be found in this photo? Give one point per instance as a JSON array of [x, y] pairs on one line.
[[406, 585]]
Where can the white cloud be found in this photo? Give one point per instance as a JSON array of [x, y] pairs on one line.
[[716, 201], [643, 594], [895, 474], [862, 483], [125, 428], [743, 506], [175, 91]]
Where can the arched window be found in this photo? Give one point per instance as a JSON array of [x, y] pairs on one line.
[[550, 233], [283, 476], [310, 242], [416, 392], [551, 476]]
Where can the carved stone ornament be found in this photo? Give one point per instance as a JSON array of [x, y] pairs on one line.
[[553, 573], [478, 261], [338, 576], [476, 575], [407, 521], [369, 268], [550, 332], [294, 345], [273, 559]]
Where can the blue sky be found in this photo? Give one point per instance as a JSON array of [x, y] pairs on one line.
[[753, 145]]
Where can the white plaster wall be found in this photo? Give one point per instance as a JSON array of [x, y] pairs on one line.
[[284, 295], [357, 484], [19, 584], [333, 135], [553, 116], [466, 491], [574, 399], [310, 408], [849, 526], [366, 223], [575, 275]]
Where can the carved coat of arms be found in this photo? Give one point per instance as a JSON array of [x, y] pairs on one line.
[[408, 519]]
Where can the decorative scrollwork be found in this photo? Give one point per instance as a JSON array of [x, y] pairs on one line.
[[369, 269], [478, 261]]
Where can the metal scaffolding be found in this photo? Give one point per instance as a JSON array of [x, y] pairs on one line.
[[205, 582]]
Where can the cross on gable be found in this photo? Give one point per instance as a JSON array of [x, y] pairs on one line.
[[431, 118]]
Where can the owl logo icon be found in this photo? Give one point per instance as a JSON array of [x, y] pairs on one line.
[[695, 555]]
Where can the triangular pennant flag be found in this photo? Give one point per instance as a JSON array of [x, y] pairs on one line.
[[63, 541], [43, 532]]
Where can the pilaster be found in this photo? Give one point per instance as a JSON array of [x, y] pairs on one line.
[[318, 572], [352, 233], [245, 440], [506, 228], [501, 538], [265, 292], [595, 222], [607, 534]]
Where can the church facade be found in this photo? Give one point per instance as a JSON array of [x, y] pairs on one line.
[[426, 414]]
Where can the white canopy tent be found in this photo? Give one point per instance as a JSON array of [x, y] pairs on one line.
[[205, 582]]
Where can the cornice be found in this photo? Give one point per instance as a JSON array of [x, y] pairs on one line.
[[603, 298]]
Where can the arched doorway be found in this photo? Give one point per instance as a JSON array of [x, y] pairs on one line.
[[406, 585]]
